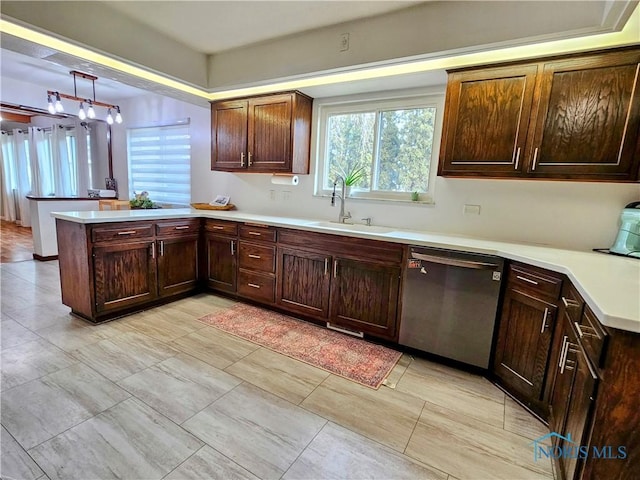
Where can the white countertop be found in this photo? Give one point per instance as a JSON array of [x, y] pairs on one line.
[[610, 285]]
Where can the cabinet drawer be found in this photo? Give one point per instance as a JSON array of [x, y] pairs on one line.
[[257, 286], [573, 303], [178, 227], [535, 280], [220, 226], [258, 233], [257, 257], [121, 232], [592, 336]]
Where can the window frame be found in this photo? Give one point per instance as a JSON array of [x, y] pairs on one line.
[[432, 98]]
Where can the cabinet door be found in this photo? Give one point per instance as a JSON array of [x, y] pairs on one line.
[[270, 133], [524, 339], [229, 135], [579, 409], [221, 263], [125, 275], [588, 117], [364, 297], [563, 381], [177, 265], [486, 120], [304, 282]]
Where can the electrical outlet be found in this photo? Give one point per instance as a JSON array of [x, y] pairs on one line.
[[344, 42], [272, 195], [471, 210], [286, 195]]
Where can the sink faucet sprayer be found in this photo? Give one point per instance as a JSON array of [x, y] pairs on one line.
[[342, 217]]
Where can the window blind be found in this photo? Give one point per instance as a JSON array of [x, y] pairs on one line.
[[160, 163]]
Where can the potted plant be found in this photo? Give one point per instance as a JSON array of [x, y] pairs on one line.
[[142, 200], [353, 177]]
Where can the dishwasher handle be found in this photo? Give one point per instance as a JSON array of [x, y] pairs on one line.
[[455, 262]]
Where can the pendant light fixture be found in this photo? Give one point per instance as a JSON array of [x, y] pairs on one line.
[[55, 105]]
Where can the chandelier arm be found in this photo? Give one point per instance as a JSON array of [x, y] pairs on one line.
[[80, 99]]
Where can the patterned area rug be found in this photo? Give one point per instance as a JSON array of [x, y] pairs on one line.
[[351, 358]]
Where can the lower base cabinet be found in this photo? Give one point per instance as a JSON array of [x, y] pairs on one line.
[[124, 275], [221, 262], [364, 297], [351, 283], [126, 266], [304, 282]]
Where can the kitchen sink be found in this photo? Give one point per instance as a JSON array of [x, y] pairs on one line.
[[347, 227]]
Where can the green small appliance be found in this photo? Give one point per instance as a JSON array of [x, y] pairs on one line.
[[628, 240]]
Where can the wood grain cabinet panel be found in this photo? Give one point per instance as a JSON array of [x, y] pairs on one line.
[[588, 118], [486, 118], [305, 280], [221, 262], [177, 264], [524, 339], [364, 297], [265, 134], [229, 135], [124, 275], [575, 117]]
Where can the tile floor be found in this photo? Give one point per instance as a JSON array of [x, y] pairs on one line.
[[160, 395]]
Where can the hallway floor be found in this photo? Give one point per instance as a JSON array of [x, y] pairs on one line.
[[160, 395]]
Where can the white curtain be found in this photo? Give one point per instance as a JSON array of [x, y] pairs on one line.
[[8, 179], [82, 158], [24, 175], [41, 182], [63, 161]]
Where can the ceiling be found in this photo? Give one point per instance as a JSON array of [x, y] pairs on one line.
[[213, 26]]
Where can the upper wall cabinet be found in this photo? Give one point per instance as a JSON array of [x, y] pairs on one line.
[[575, 118], [267, 134]]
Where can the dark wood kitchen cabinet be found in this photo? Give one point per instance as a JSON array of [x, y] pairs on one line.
[[177, 246], [126, 266], [221, 245], [348, 282], [305, 281], [257, 262], [265, 134], [364, 296], [124, 274], [486, 120], [525, 330], [574, 117]]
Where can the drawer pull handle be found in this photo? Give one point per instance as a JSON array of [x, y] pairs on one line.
[[127, 232], [335, 269], [581, 333], [544, 320], [253, 285], [242, 159], [517, 155], [254, 256], [233, 248], [563, 354], [535, 159], [257, 234], [182, 227], [326, 267], [217, 227], [162, 248], [570, 303], [524, 279], [153, 250]]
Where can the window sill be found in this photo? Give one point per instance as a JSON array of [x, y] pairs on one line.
[[380, 199]]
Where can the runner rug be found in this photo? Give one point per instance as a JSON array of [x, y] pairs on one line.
[[351, 358]]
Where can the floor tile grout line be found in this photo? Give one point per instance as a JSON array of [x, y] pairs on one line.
[[242, 382], [305, 447], [404, 450], [25, 450]]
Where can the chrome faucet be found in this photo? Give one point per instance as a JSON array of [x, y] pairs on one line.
[[342, 217]]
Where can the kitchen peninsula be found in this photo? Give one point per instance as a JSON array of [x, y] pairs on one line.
[[580, 369]]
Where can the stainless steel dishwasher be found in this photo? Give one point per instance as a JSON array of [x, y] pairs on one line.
[[449, 303]]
